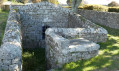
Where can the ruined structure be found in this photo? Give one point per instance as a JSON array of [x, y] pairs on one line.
[[65, 36]]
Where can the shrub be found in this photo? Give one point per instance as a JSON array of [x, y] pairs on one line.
[[36, 1], [113, 9], [95, 7], [80, 7], [24, 1], [54, 1], [67, 7], [113, 3]]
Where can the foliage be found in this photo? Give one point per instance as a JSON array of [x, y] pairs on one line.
[[36, 1], [24, 1], [3, 19], [113, 9], [95, 7], [66, 6], [113, 3], [1, 1], [54, 1]]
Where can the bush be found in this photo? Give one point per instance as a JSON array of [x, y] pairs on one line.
[[95, 7], [113, 9], [24, 1], [36, 1], [54, 1], [113, 3]]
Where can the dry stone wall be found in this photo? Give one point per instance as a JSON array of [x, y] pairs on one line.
[[34, 17], [27, 21], [65, 45], [93, 30], [103, 18], [11, 49]]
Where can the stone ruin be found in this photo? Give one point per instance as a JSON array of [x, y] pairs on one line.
[[65, 36]]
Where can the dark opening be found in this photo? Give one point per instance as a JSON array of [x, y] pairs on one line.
[[44, 28]]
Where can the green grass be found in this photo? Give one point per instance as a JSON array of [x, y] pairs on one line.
[[3, 19], [107, 60], [34, 59]]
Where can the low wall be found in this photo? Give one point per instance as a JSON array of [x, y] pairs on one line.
[[92, 30], [11, 49], [66, 45], [103, 18]]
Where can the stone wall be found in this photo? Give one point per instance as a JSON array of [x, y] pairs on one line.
[[66, 45], [93, 30], [34, 17], [11, 49], [78, 41], [61, 48], [103, 18]]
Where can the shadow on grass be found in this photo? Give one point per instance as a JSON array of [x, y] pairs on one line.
[[107, 60], [34, 59]]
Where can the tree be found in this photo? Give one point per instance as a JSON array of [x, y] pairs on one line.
[[113, 3], [1, 2], [75, 4], [69, 2]]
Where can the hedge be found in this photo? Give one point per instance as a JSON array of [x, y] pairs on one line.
[[95, 7], [113, 9]]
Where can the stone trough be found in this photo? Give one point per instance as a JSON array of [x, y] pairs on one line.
[[68, 37]]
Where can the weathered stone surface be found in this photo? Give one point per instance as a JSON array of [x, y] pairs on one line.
[[13, 67], [11, 44], [62, 49], [103, 18], [62, 40]]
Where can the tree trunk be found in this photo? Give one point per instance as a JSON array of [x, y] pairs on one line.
[[75, 4]]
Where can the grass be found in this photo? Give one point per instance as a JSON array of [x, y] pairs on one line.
[[34, 59], [3, 19], [107, 60]]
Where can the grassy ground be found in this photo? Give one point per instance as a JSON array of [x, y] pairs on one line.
[[107, 60], [3, 19], [34, 59]]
